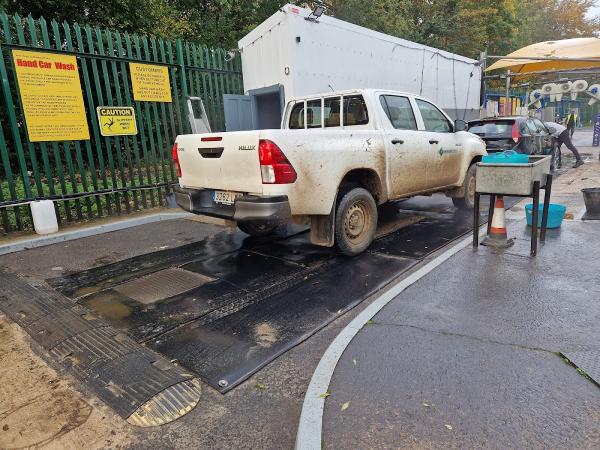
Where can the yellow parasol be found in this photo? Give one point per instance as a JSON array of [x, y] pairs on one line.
[[566, 54]]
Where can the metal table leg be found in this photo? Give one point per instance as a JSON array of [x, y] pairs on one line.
[[491, 212], [534, 225], [547, 194], [476, 220]]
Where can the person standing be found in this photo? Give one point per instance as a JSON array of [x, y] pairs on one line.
[[563, 136], [571, 122]]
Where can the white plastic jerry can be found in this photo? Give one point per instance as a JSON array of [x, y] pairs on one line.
[[44, 217]]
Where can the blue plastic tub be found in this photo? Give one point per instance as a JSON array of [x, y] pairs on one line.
[[556, 214], [506, 157]]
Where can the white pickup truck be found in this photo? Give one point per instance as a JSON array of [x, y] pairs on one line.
[[337, 156]]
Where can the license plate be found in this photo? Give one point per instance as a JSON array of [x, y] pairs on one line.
[[225, 197]]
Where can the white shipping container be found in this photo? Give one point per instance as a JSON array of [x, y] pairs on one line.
[[288, 56]]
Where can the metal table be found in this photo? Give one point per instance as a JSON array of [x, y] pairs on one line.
[[515, 180]]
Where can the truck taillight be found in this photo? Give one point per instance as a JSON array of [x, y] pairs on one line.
[[176, 160], [274, 166], [516, 134]]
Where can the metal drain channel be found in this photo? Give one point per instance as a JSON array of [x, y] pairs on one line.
[[141, 386]]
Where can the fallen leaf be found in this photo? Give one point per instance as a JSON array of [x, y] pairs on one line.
[[449, 426], [325, 395], [260, 386], [354, 361], [370, 322], [427, 405], [345, 406]]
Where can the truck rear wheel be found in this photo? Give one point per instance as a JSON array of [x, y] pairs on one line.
[[256, 229], [355, 222], [467, 201]]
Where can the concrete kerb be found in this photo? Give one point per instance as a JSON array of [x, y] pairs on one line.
[[310, 428], [41, 241]]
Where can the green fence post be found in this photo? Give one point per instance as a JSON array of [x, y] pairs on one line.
[[184, 89], [14, 126]]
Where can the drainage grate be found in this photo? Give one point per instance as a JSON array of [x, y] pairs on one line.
[[161, 285]]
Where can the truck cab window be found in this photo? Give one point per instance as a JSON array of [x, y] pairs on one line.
[[355, 111], [433, 118], [399, 111], [331, 112], [313, 113], [297, 117]]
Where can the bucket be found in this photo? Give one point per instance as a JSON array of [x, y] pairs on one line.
[[591, 197], [556, 213], [44, 217], [507, 157]]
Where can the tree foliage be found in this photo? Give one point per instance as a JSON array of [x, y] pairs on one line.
[[462, 26]]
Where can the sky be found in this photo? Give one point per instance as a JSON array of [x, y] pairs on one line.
[[595, 11]]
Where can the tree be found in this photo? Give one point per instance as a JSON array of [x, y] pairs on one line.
[[461, 26], [545, 20]]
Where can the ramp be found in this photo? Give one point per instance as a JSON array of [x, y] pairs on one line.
[[140, 385]]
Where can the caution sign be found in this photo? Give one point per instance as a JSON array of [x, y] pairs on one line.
[[116, 120], [51, 94], [150, 83]]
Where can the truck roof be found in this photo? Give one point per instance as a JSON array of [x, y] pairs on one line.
[[350, 92]]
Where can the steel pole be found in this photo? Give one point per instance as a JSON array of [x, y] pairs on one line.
[[507, 93]]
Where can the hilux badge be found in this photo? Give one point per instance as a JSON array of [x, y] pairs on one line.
[[247, 147]]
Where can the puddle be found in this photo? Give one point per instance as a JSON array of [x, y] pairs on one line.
[[109, 305]]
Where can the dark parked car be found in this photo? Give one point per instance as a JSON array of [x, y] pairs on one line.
[[522, 134]]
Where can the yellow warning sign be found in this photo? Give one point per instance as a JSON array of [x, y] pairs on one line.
[[116, 120], [51, 94], [150, 83]]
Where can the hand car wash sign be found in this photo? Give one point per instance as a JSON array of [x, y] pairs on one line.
[[51, 94]]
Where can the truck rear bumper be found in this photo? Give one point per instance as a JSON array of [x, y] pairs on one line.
[[273, 209]]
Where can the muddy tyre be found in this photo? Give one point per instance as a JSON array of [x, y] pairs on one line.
[[355, 221], [256, 229], [467, 201]]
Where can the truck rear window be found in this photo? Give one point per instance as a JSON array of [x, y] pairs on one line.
[[313, 113], [355, 111], [331, 112], [297, 116]]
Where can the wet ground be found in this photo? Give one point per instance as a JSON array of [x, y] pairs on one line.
[[490, 350], [473, 353], [227, 305], [230, 263]]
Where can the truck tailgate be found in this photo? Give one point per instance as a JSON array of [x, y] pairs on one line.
[[224, 161]]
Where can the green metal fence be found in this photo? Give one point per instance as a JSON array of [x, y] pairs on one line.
[[102, 176]]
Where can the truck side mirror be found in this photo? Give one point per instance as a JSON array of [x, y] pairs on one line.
[[460, 125]]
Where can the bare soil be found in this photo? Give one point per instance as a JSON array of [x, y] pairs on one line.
[[41, 409]]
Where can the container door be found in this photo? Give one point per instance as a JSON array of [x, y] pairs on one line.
[[239, 113]]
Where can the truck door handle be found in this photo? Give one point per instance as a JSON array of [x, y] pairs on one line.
[[433, 141], [397, 141]]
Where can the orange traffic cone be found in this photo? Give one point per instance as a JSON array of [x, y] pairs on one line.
[[497, 236]]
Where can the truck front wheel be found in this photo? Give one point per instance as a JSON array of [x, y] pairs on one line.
[[467, 200], [257, 229], [355, 222]]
